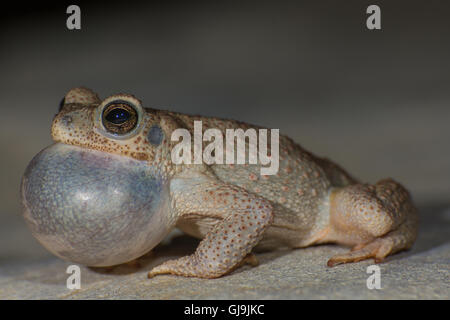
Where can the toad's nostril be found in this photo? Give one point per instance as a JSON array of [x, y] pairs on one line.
[[66, 120]]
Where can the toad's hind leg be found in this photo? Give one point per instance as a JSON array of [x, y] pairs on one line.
[[377, 220]]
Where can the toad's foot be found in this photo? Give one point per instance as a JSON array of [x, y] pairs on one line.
[[378, 249], [182, 265], [378, 220]]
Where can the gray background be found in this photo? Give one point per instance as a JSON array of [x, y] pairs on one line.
[[377, 102]]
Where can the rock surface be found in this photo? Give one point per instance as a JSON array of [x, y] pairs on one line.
[[421, 273]]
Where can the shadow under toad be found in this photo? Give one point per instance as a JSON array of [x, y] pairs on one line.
[[179, 246]]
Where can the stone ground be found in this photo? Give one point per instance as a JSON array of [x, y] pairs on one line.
[[421, 273]]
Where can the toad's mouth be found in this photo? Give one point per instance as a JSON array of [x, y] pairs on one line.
[[94, 208]]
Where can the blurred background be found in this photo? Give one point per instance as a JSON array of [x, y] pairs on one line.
[[377, 102]]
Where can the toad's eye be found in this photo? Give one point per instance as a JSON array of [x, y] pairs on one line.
[[119, 117]]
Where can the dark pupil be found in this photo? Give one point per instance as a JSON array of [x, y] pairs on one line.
[[118, 116]]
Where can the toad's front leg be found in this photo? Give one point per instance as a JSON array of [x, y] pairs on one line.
[[242, 216]]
